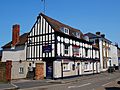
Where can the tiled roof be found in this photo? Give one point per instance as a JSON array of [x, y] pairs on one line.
[[91, 36], [23, 40], [56, 25]]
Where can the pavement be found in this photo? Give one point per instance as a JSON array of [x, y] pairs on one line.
[[31, 84]]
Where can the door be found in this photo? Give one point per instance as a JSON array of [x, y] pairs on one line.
[[49, 70], [39, 71], [78, 68]]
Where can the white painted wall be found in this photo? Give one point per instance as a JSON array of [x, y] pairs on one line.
[[17, 54], [101, 54], [113, 55]]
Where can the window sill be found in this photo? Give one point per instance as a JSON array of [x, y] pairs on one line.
[[66, 70]]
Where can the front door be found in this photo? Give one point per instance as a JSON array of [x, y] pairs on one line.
[[49, 70], [78, 67]]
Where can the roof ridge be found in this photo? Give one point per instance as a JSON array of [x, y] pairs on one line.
[[60, 22]]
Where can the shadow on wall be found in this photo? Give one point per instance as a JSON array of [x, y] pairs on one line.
[[112, 88]]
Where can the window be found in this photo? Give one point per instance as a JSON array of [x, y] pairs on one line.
[[73, 66], [21, 70], [76, 34], [65, 30], [86, 66], [66, 49], [75, 50], [86, 52], [66, 66]]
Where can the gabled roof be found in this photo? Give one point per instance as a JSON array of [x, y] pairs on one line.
[[92, 36], [56, 25], [23, 40]]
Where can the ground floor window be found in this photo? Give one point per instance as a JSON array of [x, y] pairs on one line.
[[66, 66], [21, 70], [86, 66]]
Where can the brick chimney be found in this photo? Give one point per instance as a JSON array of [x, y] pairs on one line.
[[103, 35], [15, 34], [97, 33]]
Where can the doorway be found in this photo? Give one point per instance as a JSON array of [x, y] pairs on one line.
[[78, 68], [49, 70]]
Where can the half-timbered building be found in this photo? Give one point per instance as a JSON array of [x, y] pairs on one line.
[[64, 50]]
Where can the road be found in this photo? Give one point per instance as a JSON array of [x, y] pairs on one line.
[[95, 82]]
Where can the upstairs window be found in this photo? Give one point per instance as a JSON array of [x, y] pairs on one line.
[[66, 49], [86, 52], [76, 34], [76, 50], [65, 30]]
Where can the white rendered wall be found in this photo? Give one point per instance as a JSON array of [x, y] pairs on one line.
[[101, 54], [17, 54], [113, 55]]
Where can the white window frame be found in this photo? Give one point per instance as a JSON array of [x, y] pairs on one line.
[[76, 34], [66, 66], [65, 30], [66, 49], [21, 70]]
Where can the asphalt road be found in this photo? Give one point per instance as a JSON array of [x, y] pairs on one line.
[[94, 82], [99, 83]]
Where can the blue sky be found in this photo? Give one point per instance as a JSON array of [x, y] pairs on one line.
[[86, 15]]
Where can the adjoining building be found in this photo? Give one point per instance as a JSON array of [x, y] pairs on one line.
[[62, 50], [104, 47], [114, 56], [118, 54], [15, 51], [0, 55]]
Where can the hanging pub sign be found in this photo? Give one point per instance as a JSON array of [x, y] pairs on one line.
[[47, 48]]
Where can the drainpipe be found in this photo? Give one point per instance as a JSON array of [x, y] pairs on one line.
[[62, 69]]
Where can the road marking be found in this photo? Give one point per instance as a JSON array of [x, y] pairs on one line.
[[79, 86], [14, 85], [106, 84]]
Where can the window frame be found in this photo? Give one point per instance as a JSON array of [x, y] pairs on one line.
[[66, 49], [21, 70]]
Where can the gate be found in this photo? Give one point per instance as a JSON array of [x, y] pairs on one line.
[[39, 71]]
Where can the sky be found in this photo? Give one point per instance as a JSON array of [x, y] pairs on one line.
[[85, 15]]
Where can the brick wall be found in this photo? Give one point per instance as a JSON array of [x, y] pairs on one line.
[[39, 71], [3, 72]]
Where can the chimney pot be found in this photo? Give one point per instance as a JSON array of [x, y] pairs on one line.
[[103, 35], [97, 33]]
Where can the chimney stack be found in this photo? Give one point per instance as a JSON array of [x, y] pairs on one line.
[[15, 34], [103, 35], [97, 33]]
